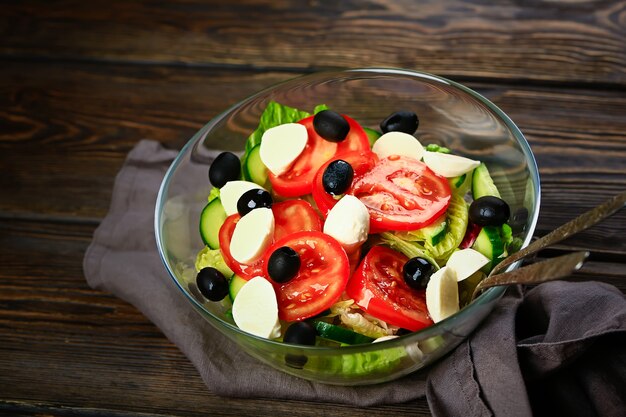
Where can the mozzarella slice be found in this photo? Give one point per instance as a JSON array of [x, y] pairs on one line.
[[252, 235], [348, 222], [255, 309], [448, 165], [383, 338], [442, 294], [231, 191], [281, 146], [465, 262], [398, 143]]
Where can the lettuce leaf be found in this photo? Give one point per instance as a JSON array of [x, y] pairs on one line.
[[213, 194], [208, 257], [274, 114]]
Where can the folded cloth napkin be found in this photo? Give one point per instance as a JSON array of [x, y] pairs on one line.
[[557, 350]]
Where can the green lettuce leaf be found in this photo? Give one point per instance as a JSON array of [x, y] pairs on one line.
[[319, 108], [408, 248], [214, 193], [208, 257], [274, 114]]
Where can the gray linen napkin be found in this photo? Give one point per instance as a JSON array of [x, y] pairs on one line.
[[557, 333]]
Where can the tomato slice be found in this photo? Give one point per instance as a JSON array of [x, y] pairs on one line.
[[321, 280], [401, 193], [289, 217], [378, 287], [361, 162], [299, 179], [294, 216], [226, 233]]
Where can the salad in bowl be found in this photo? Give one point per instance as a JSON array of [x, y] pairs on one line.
[[343, 248]]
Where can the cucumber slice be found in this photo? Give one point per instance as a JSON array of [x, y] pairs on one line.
[[339, 334], [372, 135], [253, 168], [457, 225], [235, 284], [460, 185], [211, 219], [482, 184], [432, 234], [489, 243]]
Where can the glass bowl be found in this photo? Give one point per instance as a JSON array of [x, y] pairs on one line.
[[450, 115]]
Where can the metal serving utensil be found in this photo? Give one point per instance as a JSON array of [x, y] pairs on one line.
[[580, 223], [536, 273], [553, 268]]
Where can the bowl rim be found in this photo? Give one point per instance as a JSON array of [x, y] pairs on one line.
[[486, 297]]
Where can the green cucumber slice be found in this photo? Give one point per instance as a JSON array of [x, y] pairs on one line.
[[482, 183], [235, 284], [253, 168], [211, 219], [432, 234], [339, 334], [489, 243], [457, 225], [372, 135]]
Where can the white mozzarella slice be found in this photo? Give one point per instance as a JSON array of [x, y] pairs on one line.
[[231, 191], [442, 294], [398, 143], [384, 338], [255, 309], [281, 146], [448, 165], [252, 235], [348, 222], [465, 262]]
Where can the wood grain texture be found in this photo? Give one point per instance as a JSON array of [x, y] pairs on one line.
[[89, 353], [566, 41], [70, 118]]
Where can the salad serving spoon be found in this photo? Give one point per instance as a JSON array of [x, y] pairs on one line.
[[554, 268]]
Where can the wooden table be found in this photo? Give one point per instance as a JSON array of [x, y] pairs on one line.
[[81, 82]]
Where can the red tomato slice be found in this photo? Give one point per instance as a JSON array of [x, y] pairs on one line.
[[294, 216], [378, 287], [401, 193], [226, 233], [361, 162], [298, 180], [321, 280], [289, 217]]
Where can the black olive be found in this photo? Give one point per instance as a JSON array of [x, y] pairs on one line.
[[253, 199], [417, 272], [283, 264], [489, 211], [300, 333], [337, 177], [400, 121], [226, 167], [212, 284], [331, 125]]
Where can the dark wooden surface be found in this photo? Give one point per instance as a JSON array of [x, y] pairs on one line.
[[82, 82]]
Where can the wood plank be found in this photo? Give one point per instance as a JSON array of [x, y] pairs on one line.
[[568, 42], [67, 128], [68, 350]]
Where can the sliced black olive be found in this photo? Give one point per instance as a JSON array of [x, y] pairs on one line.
[[253, 199], [489, 211], [337, 177], [417, 272], [283, 264], [400, 121], [212, 284], [331, 125], [226, 167]]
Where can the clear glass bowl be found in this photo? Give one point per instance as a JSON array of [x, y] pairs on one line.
[[450, 115]]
